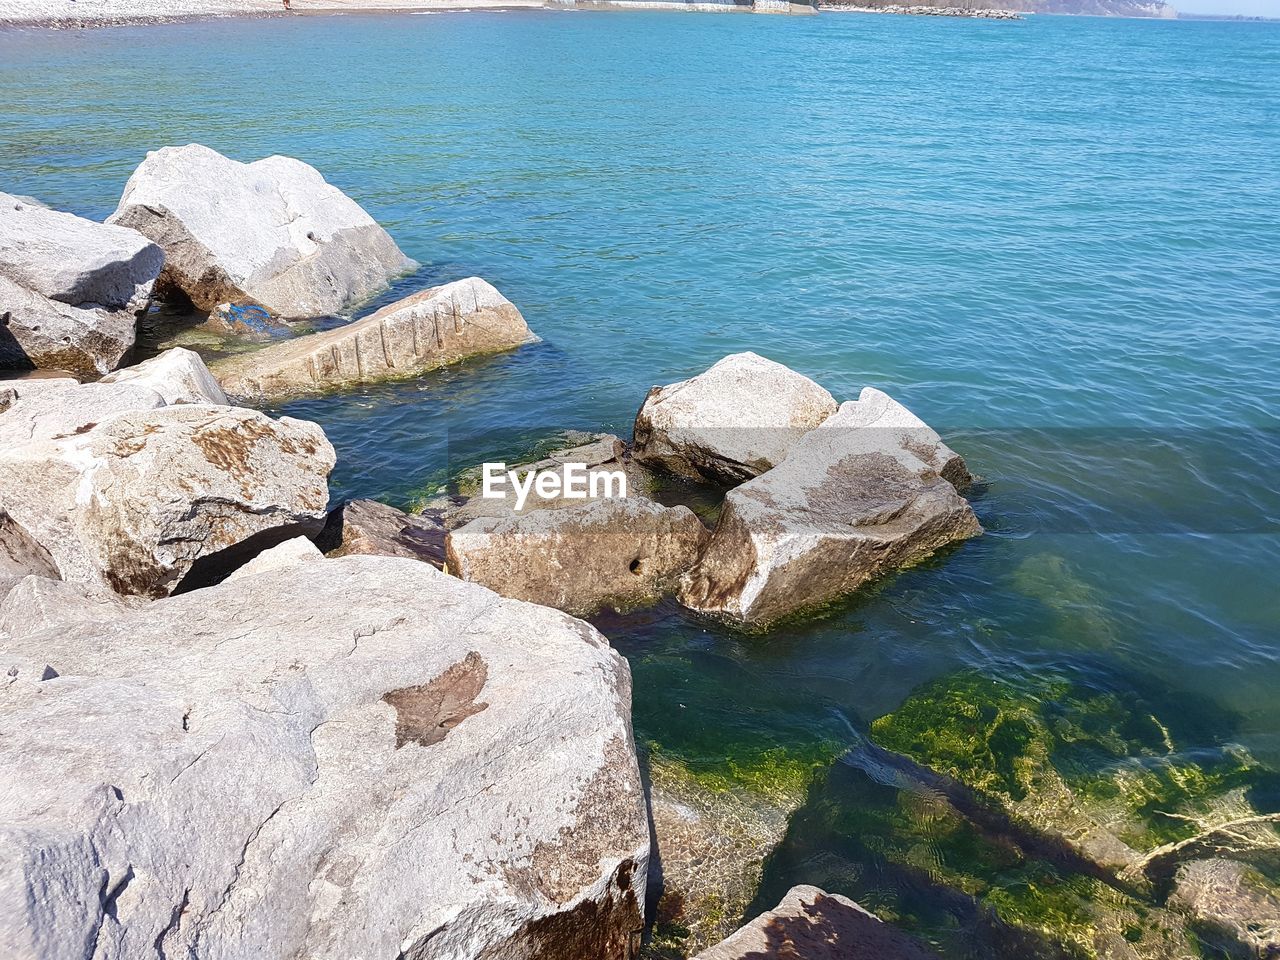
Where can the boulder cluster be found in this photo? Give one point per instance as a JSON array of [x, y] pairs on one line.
[[241, 721]]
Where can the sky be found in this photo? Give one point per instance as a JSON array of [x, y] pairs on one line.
[[1252, 8]]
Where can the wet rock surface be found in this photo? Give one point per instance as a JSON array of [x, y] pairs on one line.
[[271, 233], [350, 757], [1233, 903]]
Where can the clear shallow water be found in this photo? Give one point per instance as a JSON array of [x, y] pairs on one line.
[[1064, 224]]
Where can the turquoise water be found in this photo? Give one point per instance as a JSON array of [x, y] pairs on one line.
[[1071, 225]]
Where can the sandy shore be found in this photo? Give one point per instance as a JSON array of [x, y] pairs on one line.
[[85, 13]]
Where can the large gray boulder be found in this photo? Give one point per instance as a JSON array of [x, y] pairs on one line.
[[730, 423], [105, 485], [811, 924], [430, 329], [38, 603], [580, 556], [71, 290], [863, 494], [359, 757], [271, 232]]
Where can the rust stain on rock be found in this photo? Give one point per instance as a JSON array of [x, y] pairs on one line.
[[425, 714]]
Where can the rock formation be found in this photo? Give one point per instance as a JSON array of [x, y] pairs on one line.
[[730, 423], [811, 924], [105, 485], [71, 290], [370, 528], [360, 757], [271, 233], [863, 494], [430, 329], [580, 556]]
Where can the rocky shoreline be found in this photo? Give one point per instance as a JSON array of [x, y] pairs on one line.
[[240, 718]]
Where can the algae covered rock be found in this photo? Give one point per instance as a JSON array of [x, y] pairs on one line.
[[1235, 904], [1095, 769], [716, 820]]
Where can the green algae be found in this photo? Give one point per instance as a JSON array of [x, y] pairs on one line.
[[1071, 761]]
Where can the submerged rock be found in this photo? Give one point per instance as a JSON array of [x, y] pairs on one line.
[[1233, 903], [1097, 776], [431, 329], [370, 528], [71, 290], [102, 484], [271, 233], [730, 423], [580, 556], [811, 924], [358, 757], [712, 835], [867, 492]]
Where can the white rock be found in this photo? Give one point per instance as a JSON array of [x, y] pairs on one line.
[[71, 289], [271, 232], [360, 757], [858, 497], [109, 487], [38, 603], [730, 423], [178, 375], [287, 554], [427, 330]]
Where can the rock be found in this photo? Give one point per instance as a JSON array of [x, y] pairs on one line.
[[103, 485], [856, 498], [712, 841], [358, 757], [71, 290], [1101, 774], [1233, 902], [603, 456], [287, 554], [431, 329], [38, 332], [730, 423], [616, 552], [178, 375], [38, 603], [370, 528], [271, 233], [811, 924], [11, 391]]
